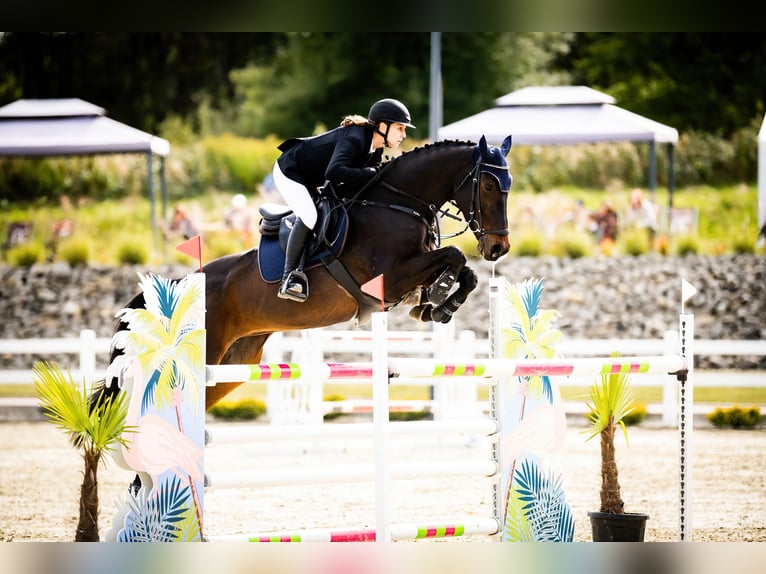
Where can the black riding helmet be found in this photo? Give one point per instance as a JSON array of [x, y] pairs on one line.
[[389, 111]]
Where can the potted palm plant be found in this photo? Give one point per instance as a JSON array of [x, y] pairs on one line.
[[610, 402]]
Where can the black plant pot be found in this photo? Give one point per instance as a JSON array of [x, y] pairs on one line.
[[609, 527]]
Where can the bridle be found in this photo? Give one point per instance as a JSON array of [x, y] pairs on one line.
[[474, 219]]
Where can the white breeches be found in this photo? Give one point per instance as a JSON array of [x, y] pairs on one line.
[[297, 197]]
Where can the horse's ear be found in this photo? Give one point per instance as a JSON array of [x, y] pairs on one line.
[[506, 147], [483, 146]]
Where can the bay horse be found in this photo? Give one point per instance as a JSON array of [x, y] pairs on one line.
[[393, 230]]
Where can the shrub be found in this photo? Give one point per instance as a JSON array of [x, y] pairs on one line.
[[634, 241], [736, 417], [75, 251], [529, 244], [409, 416], [573, 243], [333, 416], [26, 255], [220, 244], [244, 410], [743, 242], [686, 245], [635, 416], [132, 252], [239, 162]]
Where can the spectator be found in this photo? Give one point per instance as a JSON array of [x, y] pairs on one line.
[[577, 217], [238, 220], [642, 214], [180, 225], [604, 223]]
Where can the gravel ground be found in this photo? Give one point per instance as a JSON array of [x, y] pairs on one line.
[[40, 479]]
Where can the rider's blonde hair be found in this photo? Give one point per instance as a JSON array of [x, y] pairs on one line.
[[354, 119]]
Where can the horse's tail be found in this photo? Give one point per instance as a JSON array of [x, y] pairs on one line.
[[104, 389]]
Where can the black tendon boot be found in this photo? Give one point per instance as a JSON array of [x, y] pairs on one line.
[[295, 284]]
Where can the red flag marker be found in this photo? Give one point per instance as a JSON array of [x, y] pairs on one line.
[[374, 287], [193, 248]]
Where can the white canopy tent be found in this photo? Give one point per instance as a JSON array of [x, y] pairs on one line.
[[71, 126], [556, 115]]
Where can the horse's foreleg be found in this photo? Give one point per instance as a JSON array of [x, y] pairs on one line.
[[436, 272], [467, 282]]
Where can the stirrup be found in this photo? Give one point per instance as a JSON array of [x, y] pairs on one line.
[[294, 287]]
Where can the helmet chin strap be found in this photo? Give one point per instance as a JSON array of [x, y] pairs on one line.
[[385, 135]]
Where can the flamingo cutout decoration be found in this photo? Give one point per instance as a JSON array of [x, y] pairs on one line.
[[156, 446]]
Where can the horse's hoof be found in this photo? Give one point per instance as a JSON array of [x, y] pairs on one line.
[[440, 315], [421, 313]]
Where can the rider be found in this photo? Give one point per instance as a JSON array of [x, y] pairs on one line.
[[350, 154]]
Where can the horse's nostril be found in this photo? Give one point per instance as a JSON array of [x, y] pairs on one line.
[[497, 252]]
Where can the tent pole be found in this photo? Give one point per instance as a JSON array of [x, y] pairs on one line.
[[671, 174], [163, 189], [652, 168], [150, 185]]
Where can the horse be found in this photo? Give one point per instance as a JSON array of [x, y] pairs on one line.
[[392, 230]]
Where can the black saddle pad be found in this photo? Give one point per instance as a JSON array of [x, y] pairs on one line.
[[271, 255]]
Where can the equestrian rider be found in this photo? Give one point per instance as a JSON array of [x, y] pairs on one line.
[[349, 155]]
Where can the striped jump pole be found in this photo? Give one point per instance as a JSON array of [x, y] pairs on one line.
[[402, 531], [430, 368]]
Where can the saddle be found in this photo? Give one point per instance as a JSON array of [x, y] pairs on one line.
[[324, 247]]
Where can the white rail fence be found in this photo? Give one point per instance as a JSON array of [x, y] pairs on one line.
[[303, 402]]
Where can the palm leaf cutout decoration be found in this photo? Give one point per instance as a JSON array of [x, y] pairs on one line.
[[517, 527], [159, 517], [531, 335], [543, 505], [162, 336]]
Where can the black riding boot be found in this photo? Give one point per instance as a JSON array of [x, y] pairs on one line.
[[295, 284]]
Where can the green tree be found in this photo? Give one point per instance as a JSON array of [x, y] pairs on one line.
[[320, 77], [140, 78], [710, 82], [93, 428]]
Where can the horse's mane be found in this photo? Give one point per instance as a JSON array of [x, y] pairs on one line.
[[421, 150]]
